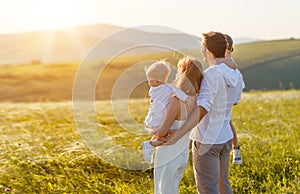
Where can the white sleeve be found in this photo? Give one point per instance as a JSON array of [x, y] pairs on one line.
[[207, 92], [241, 86]]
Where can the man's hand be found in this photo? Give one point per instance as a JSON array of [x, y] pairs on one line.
[[159, 141]]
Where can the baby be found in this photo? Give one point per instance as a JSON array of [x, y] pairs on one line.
[[160, 95]]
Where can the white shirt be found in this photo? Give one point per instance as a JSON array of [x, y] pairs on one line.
[[160, 98], [221, 88]]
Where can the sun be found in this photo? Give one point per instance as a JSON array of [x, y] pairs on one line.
[[55, 14]]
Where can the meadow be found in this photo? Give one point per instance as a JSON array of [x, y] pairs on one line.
[[42, 152]]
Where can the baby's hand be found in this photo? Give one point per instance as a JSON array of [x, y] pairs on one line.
[[230, 62]]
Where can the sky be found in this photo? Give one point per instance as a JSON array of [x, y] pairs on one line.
[[259, 19]]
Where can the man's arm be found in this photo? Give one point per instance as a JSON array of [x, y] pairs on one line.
[[194, 118], [204, 102]]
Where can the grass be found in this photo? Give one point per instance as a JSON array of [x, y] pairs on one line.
[[41, 151]]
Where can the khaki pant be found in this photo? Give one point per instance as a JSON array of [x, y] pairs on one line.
[[211, 167]]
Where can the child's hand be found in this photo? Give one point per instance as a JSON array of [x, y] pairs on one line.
[[230, 63]]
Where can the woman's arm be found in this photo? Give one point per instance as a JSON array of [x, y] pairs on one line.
[[194, 118], [171, 114]]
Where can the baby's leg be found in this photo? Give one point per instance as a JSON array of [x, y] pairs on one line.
[[235, 139]]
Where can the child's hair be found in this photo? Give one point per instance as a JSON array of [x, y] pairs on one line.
[[190, 75], [229, 42], [216, 43], [160, 71]]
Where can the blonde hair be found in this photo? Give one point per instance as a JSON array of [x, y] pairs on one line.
[[160, 71], [191, 75]]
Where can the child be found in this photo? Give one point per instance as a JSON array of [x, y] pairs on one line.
[[237, 157], [160, 95]]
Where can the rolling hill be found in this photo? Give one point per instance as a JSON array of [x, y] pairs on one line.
[[72, 44], [266, 65], [270, 64]]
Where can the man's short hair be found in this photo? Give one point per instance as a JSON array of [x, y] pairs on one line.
[[216, 43]]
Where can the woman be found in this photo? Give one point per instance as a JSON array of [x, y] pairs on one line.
[[171, 161]]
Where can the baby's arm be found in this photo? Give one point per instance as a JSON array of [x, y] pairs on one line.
[[228, 61]]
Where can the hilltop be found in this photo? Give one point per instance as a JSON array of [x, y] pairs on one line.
[[270, 64], [266, 65], [72, 44]]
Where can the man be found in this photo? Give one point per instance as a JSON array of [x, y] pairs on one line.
[[221, 88]]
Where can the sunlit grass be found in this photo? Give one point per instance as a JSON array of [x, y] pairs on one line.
[[41, 151]]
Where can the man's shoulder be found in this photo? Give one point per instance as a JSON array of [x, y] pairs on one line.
[[213, 71]]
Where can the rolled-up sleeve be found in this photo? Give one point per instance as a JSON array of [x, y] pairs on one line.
[[241, 87], [207, 92]]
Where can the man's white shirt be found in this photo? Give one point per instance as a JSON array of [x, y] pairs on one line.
[[221, 88]]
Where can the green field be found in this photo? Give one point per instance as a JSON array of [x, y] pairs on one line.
[[41, 151]]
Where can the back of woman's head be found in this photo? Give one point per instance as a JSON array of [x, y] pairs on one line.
[[190, 75]]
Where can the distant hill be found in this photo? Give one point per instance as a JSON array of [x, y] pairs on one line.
[[72, 44], [270, 65], [47, 71]]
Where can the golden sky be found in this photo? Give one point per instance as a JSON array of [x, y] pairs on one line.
[[267, 19]]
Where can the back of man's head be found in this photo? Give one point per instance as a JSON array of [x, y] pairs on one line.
[[216, 43]]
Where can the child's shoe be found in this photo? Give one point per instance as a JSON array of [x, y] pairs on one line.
[[148, 151], [237, 156]]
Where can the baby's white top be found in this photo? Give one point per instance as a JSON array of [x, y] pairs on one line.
[[160, 98]]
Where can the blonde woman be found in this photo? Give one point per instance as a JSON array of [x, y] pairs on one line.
[[170, 161]]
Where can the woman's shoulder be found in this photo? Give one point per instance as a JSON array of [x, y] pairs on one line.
[[178, 93]]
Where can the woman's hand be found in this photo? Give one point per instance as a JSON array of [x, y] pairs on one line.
[[159, 141]]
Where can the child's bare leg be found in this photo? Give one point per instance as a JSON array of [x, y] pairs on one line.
[[237, 157], [235, 139]]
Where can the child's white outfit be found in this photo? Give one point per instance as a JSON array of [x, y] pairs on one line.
[[160, 97]]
